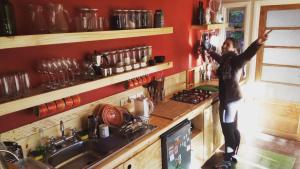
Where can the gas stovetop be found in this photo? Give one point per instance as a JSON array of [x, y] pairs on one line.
[[193, 96]]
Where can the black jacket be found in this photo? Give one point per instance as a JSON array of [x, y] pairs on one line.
[[230, 70]]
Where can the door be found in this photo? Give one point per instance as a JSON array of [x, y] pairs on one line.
[[278, 70]]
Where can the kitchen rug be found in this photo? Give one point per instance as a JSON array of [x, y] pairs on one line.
[[257, 158]]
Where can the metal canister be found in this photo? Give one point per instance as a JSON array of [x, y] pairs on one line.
[[103, 131]]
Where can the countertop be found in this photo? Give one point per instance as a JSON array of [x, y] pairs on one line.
[[189, 112]]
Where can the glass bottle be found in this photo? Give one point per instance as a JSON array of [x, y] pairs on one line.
[[200, 14], [138, 17], [7, 19]]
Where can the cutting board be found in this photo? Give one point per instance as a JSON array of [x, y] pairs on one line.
[[171, 109]]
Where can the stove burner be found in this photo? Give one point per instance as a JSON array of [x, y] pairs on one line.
[[193, 96]]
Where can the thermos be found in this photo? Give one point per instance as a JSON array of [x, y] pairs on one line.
[[159, 19], [93, 126], [7, 20]]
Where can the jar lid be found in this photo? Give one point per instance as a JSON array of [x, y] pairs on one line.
[[84, 9], [94, 9]]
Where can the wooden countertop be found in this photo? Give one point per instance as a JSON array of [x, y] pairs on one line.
[[189, 112]]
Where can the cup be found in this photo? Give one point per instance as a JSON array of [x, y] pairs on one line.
[[61, 105], [51, 107], [76, 100], [103, 131], [69, 102]]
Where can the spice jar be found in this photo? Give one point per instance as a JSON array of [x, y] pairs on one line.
[[144, 18], [131, 19], [138, 19]]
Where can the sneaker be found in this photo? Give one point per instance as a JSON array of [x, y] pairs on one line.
[[223, 165], [233, 160]]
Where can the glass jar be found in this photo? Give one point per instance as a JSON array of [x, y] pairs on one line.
[[113, 58], [144, 18], [131, 19], [133, 58], [82, 23], [116, 20], [138, 19], [127, 57], [149, 19], [93, 19], [140, 53], [120, 54], [126, 19]]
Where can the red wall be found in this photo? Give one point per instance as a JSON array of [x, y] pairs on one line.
[[176, 47]]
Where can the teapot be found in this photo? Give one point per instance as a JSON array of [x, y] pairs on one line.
[[143, 107]]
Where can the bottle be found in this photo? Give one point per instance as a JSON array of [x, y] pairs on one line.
[[7, 20], [200, 13], [159, 19]]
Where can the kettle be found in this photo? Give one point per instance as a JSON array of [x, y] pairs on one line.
[[143, 107]]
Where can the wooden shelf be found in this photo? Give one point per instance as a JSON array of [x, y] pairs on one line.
[[195, 132], [40, 98], [60, 38], [210, 26]]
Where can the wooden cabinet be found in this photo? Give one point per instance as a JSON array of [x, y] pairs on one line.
[[208, 140], [217, 129], [149, 158]]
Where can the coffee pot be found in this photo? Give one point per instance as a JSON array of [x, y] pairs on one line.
[[143, 107]]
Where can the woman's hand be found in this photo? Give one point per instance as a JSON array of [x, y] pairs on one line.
[[263, 38]]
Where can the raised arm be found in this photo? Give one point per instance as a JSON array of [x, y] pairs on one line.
[[215, 56], [243, 58]]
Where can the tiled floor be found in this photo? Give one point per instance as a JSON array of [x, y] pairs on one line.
[[266, 142]]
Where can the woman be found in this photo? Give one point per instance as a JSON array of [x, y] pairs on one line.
[[229, 73]]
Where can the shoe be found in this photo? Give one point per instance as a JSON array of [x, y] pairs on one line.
[[223, 165], [233, 160]]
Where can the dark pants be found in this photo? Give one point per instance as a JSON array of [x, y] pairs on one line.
[[230, 130]]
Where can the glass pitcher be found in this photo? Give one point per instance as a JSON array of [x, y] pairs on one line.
[[59, 18], [38, 23]]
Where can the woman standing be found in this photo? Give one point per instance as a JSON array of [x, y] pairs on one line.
[[229, 73]]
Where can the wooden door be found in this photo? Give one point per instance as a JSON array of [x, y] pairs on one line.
[[278, 70]]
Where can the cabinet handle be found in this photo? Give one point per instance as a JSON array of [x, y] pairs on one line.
[[129, 166]]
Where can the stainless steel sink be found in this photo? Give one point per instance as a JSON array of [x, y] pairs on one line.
[[79, 155]]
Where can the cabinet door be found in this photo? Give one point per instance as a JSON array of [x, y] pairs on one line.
[[208, 133], [120, 167], [218, 135], [150, 158]]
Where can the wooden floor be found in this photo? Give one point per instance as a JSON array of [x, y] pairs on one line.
[[266, 142]]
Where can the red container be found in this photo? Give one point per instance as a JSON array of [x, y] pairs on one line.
[[41, 110], [61, 105], [145, 80], [69, 102], [51, 107], [76, 100], [136, 82]]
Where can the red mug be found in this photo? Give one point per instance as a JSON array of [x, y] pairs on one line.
[[61, 105], [69, 102], [76, 100], [41, 110], [52, 107]]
